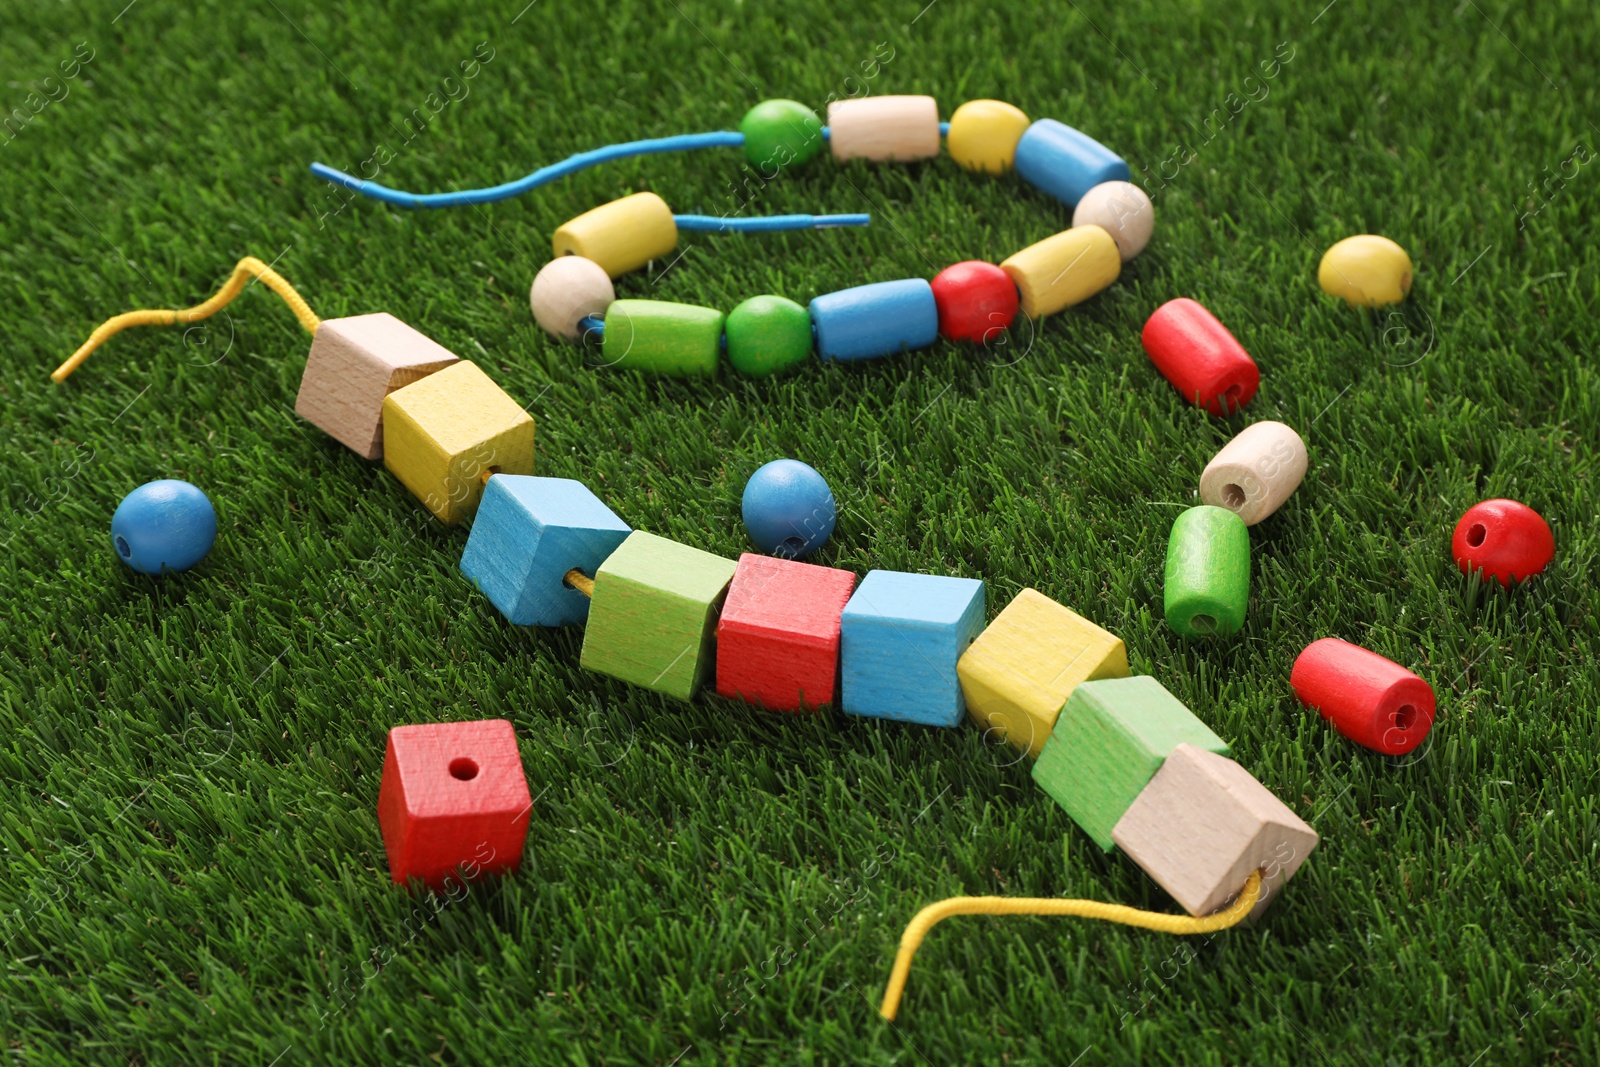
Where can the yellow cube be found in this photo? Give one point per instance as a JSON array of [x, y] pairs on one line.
[[444, 435], [984, 134], [1019, 672]]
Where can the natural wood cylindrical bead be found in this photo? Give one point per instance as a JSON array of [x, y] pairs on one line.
[[1255, 472], [884, 128], [984, 134], [621, 236], [1373, 701], [679, 340], [565, 290], [1121, 209], [1207, 586], [1064, 270], [1202, 360]]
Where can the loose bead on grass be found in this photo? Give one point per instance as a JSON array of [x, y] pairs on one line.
[[1367, 270], [1504, 539], [165, 525], [788, 509]]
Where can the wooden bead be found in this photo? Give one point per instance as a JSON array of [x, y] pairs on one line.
[[1064, 270], [1255, 472], [1019, 672], [1373, 701], [1207, 588], [1202, 360], [984, 134], [528, 533], [1108, 743], [354, 363], [621, 236], [780, 133], [441, 433], [453, 795], [977, 301], [678, 340], [884, 129], [768, 334], [778, 638], [565, 290], [875, 320], [1504, 539], [652, 620], [1064, 162], [1121, 209], [901, 636], [1203, 824], [1366, 270]]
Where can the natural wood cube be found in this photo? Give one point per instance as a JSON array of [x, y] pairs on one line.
[[1108, 743], [1203, 824], [653, 615], [441, 434], [1019, 672], [354, 363]]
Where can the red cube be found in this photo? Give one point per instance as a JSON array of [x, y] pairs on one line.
[[778, 640], [453, 796]]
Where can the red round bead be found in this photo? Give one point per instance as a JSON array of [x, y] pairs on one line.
[[977, 301], [1371, 700], [1198, 355], [1504, 539]]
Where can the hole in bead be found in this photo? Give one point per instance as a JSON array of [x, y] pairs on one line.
[[463, 768], [1233, 496], [1476, 535], [122, 548], [791, 546], [1405, 717], [1202, 623], [1230, 396]]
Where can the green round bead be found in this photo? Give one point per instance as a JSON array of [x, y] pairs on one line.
[[1207, 585], [780, 132], [767, 334]]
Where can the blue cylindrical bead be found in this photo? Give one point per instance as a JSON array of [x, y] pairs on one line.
[[1066, 163], [875, 320]]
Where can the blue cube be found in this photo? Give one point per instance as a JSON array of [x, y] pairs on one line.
[[1066, 163], [529, 532], [899, 641]]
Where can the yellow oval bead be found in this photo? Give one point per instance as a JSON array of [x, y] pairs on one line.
[[621, 236], [1064, 270], [1367, 270], [984, 134]]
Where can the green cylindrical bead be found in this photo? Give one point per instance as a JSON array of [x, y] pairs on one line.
[[780, 133], [1208, 573], [681, 340], [767, 334]]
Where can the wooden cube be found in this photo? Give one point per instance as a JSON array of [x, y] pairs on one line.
[[900, 638], [529, 532], [778, 639], [354, 363], [453, 795], [1203, 824], [1021, 670], [1108, 742], [442, 433], [653, 616]]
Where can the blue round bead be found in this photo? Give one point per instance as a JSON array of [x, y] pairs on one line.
[[164, 525], [788, 509]]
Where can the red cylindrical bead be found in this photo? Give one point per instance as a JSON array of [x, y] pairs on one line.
[[1371, 700], [1504, 539], [1198, 355], [976, 301]]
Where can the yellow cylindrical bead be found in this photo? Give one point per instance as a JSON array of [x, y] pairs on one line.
[[884, 129], [621, 236], [984, 134], [1064, 270], [1367, 270]]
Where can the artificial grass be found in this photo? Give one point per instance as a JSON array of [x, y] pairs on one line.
[[193, 869]]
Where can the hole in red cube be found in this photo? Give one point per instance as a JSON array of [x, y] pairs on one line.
[[463, 768], [1476, 534], [1405, 717]]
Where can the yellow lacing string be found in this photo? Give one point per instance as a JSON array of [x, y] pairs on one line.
[[924, 920], [249, 267]]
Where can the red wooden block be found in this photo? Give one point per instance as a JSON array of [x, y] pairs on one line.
[[1198, 355], [1371, 700], [453, 795], [1504, 539], [778, 639], [976, 301]]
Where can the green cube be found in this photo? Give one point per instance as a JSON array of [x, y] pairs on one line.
[[1109, 741], [653, 615]]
